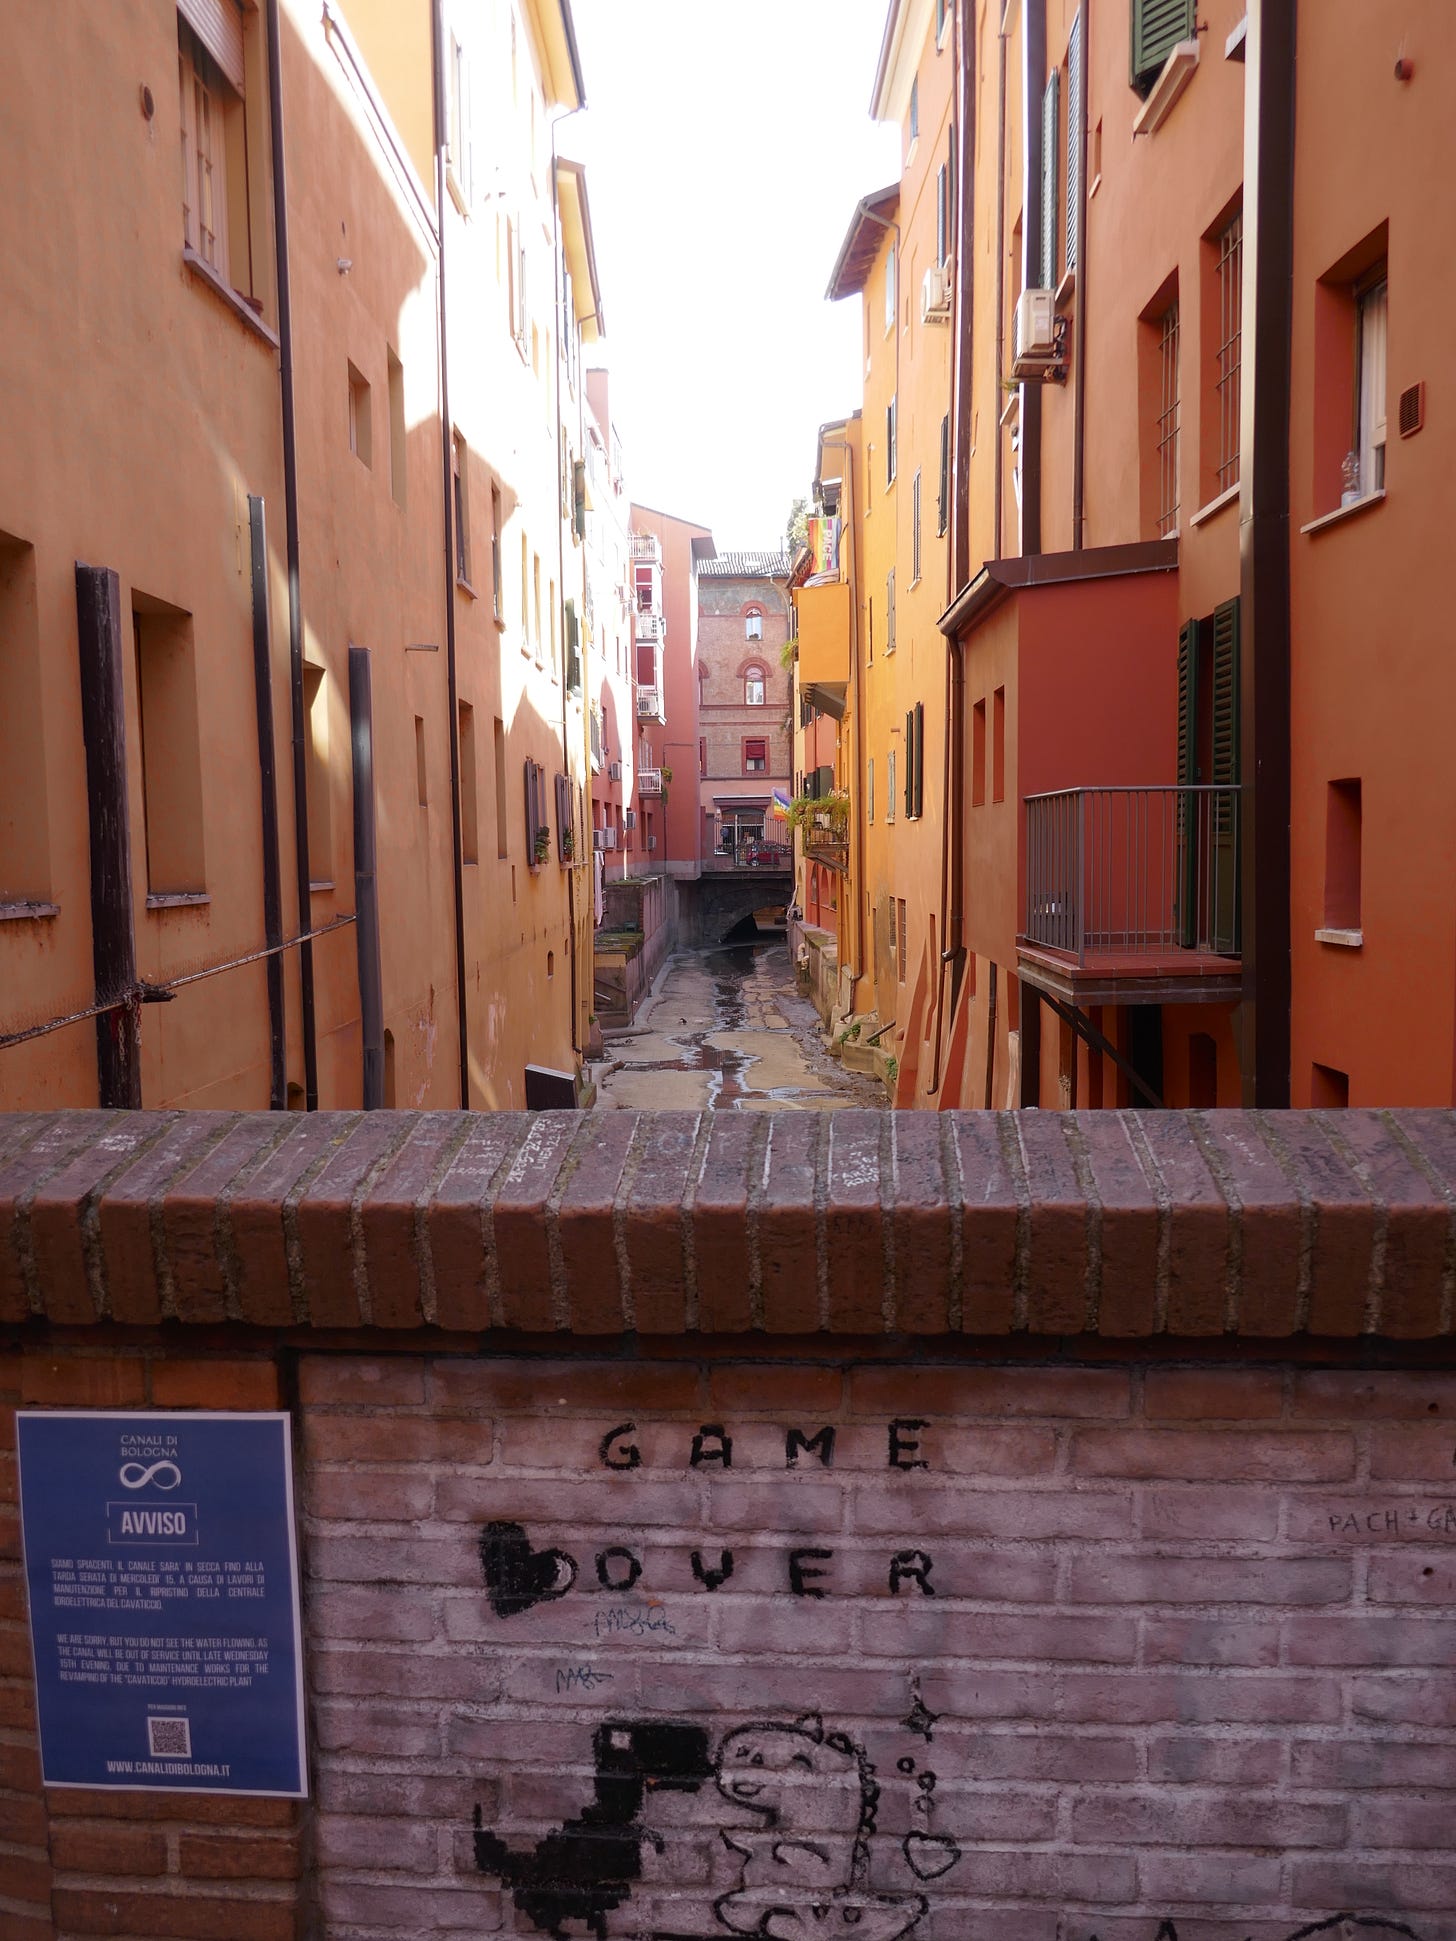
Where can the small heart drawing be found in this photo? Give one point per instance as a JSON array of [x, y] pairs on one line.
[[930, 1854], [516, 1576]]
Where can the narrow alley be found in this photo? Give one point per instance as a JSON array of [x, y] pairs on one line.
[[728, 1029]]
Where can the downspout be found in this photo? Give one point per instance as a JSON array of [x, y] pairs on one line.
[[1079, 354], [447, 454], [268, 802], [1269, 155], [290, 522], [561, 575], [952, 843], [999, 485], [1033, 79]]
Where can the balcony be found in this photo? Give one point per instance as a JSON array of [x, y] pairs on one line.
[[650, 626], [646, 545], [751, 854], [649, 781], [823, 634], [1132, 895], [821, 846]]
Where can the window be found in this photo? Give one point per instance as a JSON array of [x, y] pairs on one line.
[[460, 487], [904, 941], [1167, 422], [1157, 28], [998, 745], [755, 756], [891, 296], [538, 816], [703, 756], [1208, 759], [915, 529], [551, 616], [421, 773], [914, 110], [25, 859], [942, 213], [870, 790], [753, 625], [469, 813], [536, 604], [389, 1080], [978, 754], [397, 446], [890, 611], [317, 793], [915, 761], [361, 442], [891, 415], [890, 786], [203, 95], [458, 154], [525, 595], [502, 846], [497, 564], [171, 757], [1372, 308], [1230, 276], [753, 687], [942, 20], [1050, 143], [870, 631], [942, 503], [1342, 856]]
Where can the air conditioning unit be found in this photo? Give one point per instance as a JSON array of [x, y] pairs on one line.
[[1035, 349], [629, 818], [935, 294], [646, 700], [614, 771], [604, 838], [652, 842]]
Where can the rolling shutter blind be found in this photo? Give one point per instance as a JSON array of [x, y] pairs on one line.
[[218, 24], [1157, 28], [1049, 131], [1075, 118]]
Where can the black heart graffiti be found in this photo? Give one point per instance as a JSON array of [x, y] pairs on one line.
[[516, 1576]]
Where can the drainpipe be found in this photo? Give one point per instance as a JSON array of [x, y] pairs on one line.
[[290, 522], [1079, 354], [1269, 152], [447, 454], [952, 843], [561, 575], [268, 799], [999, 485], [1033, 79]]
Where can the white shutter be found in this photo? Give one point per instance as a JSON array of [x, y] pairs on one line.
[[218, 24]]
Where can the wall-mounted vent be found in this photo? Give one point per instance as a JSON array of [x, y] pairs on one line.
[[1411, 411]]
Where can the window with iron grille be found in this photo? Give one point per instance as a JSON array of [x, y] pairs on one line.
[[915, 529], [890, 611], [1168, 417], [942, 503], [1230, 328], [890, 422]]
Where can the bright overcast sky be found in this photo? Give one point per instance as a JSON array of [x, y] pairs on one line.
[[725, 149]]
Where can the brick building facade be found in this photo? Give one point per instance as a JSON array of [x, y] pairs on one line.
[[1072, 1510], [745, 748]]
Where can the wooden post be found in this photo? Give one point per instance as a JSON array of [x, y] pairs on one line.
[[113, 936]]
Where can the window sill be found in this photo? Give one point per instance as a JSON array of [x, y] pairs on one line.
[[462, 585], [27, 910], [1178, 71], [913, 584], [1345, 939], [1066, 289], [319, 883], [500, 625], [457, 194], [1228, 497], [177, 899], [1346, 511], [241, 309]]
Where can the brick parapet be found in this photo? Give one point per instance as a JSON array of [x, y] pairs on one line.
[[1113, 1225]]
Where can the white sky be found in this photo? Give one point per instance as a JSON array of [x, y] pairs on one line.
[[725, 148]]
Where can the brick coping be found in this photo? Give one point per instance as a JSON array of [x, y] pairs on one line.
[[1118, 1226]]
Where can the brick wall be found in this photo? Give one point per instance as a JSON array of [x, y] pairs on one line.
[[1080, 1624]]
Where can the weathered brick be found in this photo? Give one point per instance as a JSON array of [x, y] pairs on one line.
[[171, 1916], [521, 1225], [1060, 1228], [458, 1225], [127, 1206], [854, 1227], [1368, 1640], [1127, 1223], [411, 1438], [1343, 1222], [1200, 1226], [193, 1209], [1417, 1214], [1112, 1579], [723, 1237], [107, 1849], [1198, 1454], [254, 1213], [390, 1211], [82, 1381], [586, 1223], [654, 1234], [219, 1383], [326, 1217], [1029, 1390], [993, 1207], [1188, 1760], [1371, 1395], [1271, 1221], [59, 1208], [498, 1387], [788, 1223], [1214, 1820], [926, 1202], [1209, 1641], [1212, 1394], [367, 1381]]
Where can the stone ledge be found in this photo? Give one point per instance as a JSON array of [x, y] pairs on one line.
[[1124, 1226]]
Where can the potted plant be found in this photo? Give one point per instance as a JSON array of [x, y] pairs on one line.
[[543, 844], [568, 845]]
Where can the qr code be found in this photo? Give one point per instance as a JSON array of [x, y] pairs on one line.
[[169, 1738]]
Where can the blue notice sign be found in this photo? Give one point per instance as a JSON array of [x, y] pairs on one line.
[[163, 1578]]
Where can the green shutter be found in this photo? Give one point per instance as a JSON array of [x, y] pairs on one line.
[[1187, 877], [1224, 774], [919, 758], [910, 761], [1157, 28]]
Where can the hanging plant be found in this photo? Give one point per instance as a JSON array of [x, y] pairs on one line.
[[543, 843]]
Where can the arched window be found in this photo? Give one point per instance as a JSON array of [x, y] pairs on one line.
[[753, 687], [753, 624]]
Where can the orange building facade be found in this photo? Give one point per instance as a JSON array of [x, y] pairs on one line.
[[289, 568]]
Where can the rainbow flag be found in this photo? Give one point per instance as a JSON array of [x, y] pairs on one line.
[[781, 802]]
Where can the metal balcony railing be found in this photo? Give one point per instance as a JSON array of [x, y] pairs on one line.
[[1126, 872], [752, 855], [646, 545]]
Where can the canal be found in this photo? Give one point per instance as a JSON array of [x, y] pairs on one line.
[[727, 1029]]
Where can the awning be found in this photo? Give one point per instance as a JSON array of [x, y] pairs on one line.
[[741, 801], [826, 697]]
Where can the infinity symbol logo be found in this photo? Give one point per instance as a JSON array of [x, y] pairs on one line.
[[166, 1475]]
